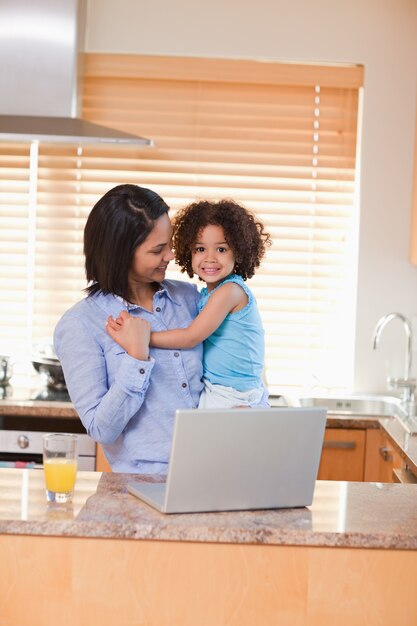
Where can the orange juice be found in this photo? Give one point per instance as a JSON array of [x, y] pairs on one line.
[[60, 474]]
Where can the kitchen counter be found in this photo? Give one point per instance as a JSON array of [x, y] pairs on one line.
[[109, 558], [56, 414], [38, 408], [367, 515], [347, 559], [45, 408], [66, 409]]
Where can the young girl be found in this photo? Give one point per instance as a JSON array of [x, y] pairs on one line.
[[223, 244]]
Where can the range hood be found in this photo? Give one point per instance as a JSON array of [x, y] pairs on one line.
[[62, 130], [41, 48]]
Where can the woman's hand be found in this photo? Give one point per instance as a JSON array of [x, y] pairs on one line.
[[131, 333]]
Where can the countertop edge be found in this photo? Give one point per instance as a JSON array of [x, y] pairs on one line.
[[317, 539]]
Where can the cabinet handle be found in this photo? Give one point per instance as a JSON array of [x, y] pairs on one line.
[[344, 445], [386, 453]]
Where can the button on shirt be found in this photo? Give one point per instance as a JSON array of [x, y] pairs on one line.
[[125, 404]]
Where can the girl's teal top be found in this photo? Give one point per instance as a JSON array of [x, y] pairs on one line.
[[234, 353]]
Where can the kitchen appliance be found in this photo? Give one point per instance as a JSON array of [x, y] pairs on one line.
[[41, 75], [24, 449], [23, 422]]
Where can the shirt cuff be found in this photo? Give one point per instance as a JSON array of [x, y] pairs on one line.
[[133, 374]]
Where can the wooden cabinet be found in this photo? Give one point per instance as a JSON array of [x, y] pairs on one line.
[[361, 455], [381, 457], [343, 455], [102, 464]]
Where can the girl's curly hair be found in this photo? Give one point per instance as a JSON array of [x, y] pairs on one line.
[[243, 232]]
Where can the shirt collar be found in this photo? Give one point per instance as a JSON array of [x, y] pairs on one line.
[[165, 288], [126, 305]]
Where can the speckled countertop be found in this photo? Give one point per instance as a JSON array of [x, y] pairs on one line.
[[30, 400], [38, 408], [45, 408], [369, 515], [357, 515]]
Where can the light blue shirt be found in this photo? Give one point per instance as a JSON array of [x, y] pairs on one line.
[[125, 404], [234, 353]]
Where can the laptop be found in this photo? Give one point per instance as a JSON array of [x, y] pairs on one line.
[[239, 459]]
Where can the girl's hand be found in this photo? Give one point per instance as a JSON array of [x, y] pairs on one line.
[[131, 333], [114, 324]]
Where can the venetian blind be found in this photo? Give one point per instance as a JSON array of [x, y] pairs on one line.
[[16, 251], [279, 138]]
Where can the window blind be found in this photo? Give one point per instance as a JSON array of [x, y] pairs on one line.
[[15, 255], [279, 138]]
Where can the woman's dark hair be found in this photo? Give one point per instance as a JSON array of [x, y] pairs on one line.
[[243, 232], [119, 222]]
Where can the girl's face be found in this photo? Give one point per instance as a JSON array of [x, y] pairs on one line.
[[212, 258], [151, 258]]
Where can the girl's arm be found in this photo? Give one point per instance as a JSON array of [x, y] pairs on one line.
[[228, 298]]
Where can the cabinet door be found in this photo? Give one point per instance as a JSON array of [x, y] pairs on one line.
[[343, 455], [381, 457]]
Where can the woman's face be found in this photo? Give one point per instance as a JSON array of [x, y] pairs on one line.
[[151, 258]]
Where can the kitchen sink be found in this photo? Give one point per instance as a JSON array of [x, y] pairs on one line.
[[358, 405]]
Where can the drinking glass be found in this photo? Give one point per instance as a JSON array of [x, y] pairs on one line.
[[60, 466]]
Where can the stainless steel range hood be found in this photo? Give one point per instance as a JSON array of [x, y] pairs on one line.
[[62, 130], [41, 46]]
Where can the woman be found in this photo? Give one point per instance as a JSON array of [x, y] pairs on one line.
[[127, 399]]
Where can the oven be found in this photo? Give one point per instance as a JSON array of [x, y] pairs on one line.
[[21, 434], [23, 448]]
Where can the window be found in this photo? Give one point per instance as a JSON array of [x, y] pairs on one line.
[[279, 138]]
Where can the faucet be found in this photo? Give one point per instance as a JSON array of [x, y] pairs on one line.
[[407, 384]]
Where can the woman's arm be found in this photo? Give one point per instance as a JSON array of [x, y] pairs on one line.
[[107, 386], [228, 298]]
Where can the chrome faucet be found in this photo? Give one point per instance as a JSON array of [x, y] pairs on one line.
[[407, 384]]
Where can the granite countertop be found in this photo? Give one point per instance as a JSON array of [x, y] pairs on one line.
[[16, 402], [355, 515], [31, 400], [45, 408], [38, 408]]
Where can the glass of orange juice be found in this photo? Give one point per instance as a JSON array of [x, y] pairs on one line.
[[60, 466]]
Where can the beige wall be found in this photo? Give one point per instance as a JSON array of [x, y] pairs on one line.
[[382, 35]]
